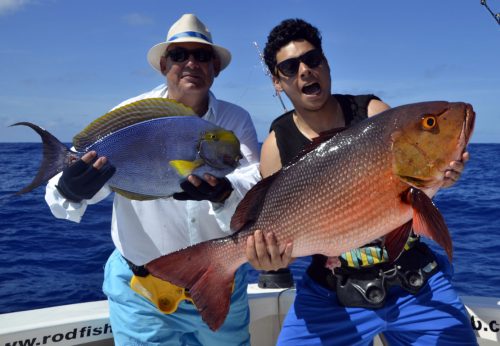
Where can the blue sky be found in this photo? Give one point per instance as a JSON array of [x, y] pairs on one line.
[[65, 63]]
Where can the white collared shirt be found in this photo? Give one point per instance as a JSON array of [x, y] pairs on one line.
[[145, 230]]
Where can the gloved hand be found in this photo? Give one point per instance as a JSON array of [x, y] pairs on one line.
[[84, 178], [196, 189]]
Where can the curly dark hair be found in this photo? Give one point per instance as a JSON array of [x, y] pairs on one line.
[[285, 32]]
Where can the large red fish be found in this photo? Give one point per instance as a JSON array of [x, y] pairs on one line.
[[371, 180]]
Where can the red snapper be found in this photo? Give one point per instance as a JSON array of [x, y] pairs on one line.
[[373, 179]]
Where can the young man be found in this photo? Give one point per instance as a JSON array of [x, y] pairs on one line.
[[145, 230], [322, 315]]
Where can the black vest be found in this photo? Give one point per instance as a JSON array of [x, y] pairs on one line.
[[291, 141]]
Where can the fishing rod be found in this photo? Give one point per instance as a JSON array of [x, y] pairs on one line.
[[268, 73], [496, 16]]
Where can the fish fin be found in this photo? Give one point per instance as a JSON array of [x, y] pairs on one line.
[[428, 221], [129, 114], [185, 168], [395, 241], [205, 271], [250, 206], [56, 157], [133, 196]]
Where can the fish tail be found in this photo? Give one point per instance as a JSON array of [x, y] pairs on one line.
[[56, 157], [207, 271]]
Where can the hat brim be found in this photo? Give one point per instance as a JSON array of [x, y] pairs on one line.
[[156, 52]]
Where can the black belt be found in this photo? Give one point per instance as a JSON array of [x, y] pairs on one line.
[[137, 270], [367, 287]]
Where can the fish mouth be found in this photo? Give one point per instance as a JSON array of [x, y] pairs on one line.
[[226, 161], [470, 119], [311, 89], [467, 130], [419, 183], [232, 161]]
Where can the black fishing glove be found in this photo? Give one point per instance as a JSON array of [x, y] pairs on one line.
[[205, 191], [82, 181]]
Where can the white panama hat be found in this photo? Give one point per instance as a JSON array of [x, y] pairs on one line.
[[187, 29]]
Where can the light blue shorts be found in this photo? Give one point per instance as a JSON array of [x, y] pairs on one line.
[[136, 321], [435, 316]]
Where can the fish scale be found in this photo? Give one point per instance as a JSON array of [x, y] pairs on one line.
[[332, 215], [153, 144], [373, 179], [150, 144]]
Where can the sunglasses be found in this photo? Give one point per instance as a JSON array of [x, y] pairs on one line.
[[180, 54], [290, 67]]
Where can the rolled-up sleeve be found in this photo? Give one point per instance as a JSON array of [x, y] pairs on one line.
[[242, 180], [245, 176], [62, 208]]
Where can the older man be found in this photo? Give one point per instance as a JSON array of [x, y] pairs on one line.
[[145, 230]]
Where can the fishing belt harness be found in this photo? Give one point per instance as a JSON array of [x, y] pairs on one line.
[[368, 287]]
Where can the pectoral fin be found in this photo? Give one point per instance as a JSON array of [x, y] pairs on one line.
[[185, 168], [396, 240], [428, 221]]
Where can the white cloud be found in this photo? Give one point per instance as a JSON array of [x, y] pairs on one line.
[[136, 19], [8, 6]]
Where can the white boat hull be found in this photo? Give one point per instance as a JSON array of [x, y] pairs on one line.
[[88, 323]]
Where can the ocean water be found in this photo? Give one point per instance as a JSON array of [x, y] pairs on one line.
[[47, 262]]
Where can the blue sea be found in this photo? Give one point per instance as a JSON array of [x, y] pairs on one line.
[[46, 262]]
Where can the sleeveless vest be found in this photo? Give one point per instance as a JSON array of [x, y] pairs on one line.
[[291, 142]]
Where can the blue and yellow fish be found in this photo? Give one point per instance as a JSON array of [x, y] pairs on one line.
[[153, 143]]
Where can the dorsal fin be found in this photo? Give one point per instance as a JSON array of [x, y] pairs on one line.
[[316, 142], [250, 206], [127, 115]]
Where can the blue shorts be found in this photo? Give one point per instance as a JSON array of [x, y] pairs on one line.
[[136, 321], [435, 316]]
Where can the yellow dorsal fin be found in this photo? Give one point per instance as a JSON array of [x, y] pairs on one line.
[[129, 114]]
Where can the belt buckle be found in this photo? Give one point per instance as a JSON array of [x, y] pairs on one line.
[[390, 273]]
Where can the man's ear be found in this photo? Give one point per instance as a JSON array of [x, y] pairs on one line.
[[277, 84], [216, 66], [163, 65]]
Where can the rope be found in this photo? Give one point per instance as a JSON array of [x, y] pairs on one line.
[[268, 73]]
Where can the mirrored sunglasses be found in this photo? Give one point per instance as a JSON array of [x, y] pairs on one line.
[[180, 54], [290, 67]]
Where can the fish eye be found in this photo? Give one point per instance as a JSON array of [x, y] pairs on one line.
[[429, 122], [210, 136]]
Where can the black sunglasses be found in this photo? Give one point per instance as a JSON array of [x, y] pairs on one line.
[[290, 67], [180, 54]]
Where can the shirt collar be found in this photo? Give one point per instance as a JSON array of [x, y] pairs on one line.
[[212, 108], [212, 102]]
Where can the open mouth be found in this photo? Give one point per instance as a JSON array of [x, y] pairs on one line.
[[311, 89]]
